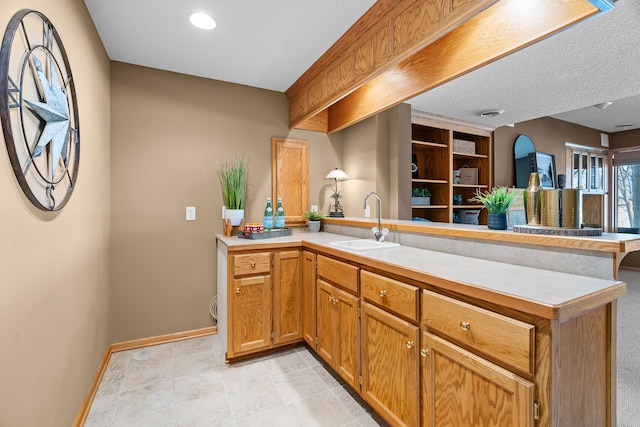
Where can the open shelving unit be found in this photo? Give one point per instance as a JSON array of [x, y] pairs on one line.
[[432, 152]]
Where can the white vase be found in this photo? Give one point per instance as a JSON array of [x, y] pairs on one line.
[[234, 216]]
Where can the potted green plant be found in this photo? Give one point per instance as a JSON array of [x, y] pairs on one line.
[[420, 196], [497, 201], [233, 180], [314, 220]]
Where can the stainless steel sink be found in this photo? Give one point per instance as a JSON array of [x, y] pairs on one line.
[[363, 245]]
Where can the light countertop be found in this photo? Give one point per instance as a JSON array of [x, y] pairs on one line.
[[537, 291]]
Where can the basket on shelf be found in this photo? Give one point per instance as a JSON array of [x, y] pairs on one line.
[[468, 216], [465, 147]]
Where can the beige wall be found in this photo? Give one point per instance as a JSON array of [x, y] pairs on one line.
[[362, 154], [629, 138], [374, 155], [54, 267], [548, 135], [169, 131]]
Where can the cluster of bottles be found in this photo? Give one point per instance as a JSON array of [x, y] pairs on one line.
[[269, 222]]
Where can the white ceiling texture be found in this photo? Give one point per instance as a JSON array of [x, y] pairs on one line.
[[270, 45]]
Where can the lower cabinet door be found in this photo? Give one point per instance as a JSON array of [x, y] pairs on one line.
[[287, 297], [347, 341], [251, 313], [462, 389], [390, 366], [325, 324], [309, 298]]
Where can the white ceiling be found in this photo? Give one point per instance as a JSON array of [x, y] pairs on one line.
[[265, 44], [270, 44], [590, 63]]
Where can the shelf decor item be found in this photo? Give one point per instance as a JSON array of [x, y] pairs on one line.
[[314, 220], [468, 176], [497, 202], [337, 175], [531, 197], [420, 196], [233, 180]]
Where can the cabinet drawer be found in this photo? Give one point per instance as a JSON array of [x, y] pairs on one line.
[[501, 337], [339, 273], [395, 296], [251, 263]]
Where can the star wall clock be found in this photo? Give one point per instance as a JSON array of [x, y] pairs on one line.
[[38, 110]]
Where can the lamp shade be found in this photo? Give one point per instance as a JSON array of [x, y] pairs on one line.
[[337, 174]]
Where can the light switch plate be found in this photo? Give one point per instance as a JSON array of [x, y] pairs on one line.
[[191, 213]]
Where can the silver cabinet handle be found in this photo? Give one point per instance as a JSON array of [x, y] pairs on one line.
[[465, 326], [410, 344], [424, 352], [237, 291], [382, 293]]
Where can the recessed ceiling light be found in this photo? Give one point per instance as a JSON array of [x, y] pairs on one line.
[[491, 113], [603, 105], [202, 21], [625, 125]]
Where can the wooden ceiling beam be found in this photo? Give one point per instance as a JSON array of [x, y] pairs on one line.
[[390, 31], [402, 48], [496, 32]]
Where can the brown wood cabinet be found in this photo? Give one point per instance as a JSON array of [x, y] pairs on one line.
[[287, 297], [460, 388], [436, 152], [390, 373], [265, 301], [309, 298], [251, 314], [338, 331], [419, 352], [490, 334], [338, 326]]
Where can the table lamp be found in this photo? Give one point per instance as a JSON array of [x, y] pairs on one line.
[[338, 175]]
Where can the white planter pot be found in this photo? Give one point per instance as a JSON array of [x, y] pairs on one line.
[[420, 201], [234, 215], [314, 226]]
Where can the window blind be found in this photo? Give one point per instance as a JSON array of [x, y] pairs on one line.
[[628, 157]]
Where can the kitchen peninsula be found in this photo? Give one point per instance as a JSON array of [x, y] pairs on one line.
[[597, 256], [428, 337]]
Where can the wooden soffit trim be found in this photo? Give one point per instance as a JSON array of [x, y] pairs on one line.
[[478, 36], [389, 32]]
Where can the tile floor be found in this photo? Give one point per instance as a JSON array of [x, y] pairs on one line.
[[187, 383]]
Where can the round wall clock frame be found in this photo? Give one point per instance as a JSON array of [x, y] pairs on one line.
[[38, 110]]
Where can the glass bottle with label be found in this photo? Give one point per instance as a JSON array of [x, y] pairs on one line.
[[268, 216], [279, 214]]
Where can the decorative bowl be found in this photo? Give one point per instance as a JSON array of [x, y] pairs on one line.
[[253, 227]]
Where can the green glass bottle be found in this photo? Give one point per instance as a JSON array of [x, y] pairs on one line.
[[268, 216], [279, 214]]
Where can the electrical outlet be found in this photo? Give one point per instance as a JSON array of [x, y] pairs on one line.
[[191, 213]]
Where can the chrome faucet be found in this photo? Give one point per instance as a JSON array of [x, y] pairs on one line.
[[378, 232]]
